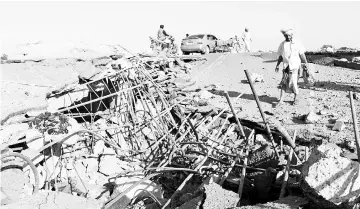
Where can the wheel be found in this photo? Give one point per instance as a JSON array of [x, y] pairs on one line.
[[186, 53], [207, 50]]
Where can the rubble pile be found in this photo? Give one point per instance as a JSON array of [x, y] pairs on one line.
[[131, 137]]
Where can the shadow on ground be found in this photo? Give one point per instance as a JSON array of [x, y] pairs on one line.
[[262, 98], [333, 86]]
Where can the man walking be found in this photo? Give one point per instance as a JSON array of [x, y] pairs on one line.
[[291, 53], [246, 37]]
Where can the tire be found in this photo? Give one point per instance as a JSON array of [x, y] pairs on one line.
[[186, 53], [207, 50]]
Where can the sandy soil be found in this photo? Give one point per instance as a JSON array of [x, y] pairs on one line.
[[24, 85], [330, 93]]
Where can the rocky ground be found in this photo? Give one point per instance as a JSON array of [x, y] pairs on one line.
[[99, 170]]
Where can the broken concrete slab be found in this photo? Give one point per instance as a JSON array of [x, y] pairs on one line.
[[37, 143], [15, 184], [331, 181], [46, 199], [217, 197], [110, 165], [12, 133], [100, 61]]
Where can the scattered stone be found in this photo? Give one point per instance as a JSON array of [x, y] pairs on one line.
[[356, 96], [217, 197], [311, 117], [257, 77], [339, 125], [204, 94], [323, 112], [261, 138], [330, 180], [350, 144]]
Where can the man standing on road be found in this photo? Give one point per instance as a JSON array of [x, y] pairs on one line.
[[291, 53], [161, 33], [246, 37]]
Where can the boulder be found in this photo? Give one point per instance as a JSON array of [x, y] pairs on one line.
[[330, 180]]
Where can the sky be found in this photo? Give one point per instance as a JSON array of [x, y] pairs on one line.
[[131, 23]]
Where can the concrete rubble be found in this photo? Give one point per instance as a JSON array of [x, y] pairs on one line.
[[330, 180], [130, 134]]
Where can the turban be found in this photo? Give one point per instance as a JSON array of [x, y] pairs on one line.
[[288, 32]]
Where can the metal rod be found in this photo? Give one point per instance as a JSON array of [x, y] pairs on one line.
[[95, 100], [353, 112], [261, 112], [286, 174], [243, 171], [233, 112]]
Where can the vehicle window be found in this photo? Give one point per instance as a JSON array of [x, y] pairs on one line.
[[209, 37], [196, 37], [214, 38]]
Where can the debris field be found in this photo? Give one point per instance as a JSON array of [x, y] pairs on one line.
[[132, 135]]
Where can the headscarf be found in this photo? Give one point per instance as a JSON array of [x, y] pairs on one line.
[[288, 32]]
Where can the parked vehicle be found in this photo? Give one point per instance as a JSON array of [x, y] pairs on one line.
[[203, 43]]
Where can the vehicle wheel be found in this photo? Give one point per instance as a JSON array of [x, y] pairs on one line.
[[185, 53], [207, 50]]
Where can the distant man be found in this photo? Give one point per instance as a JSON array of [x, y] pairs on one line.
[[246, 37], [291, 53], [187, 35], [161, 33]]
